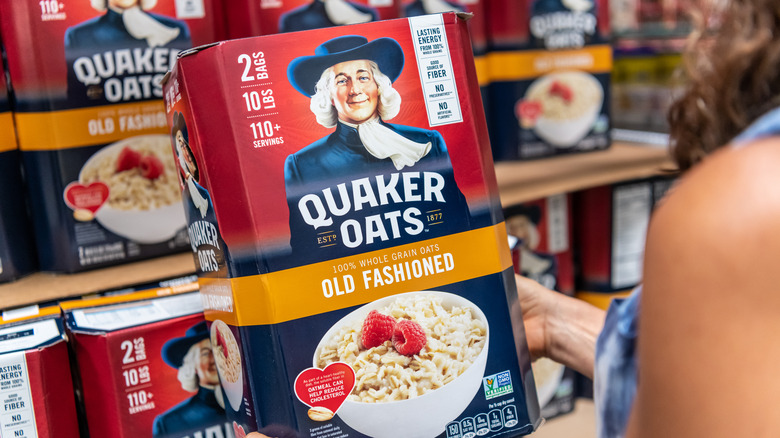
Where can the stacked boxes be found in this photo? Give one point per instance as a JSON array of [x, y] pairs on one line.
[[145, 366], [17, 246], [540, 236], [302, 231], [36, 389], [550, 64], [91, 123]]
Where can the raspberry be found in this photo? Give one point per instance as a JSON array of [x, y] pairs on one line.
[[128, 159], [408, 337], [377, 328], [221, 343], [561, 90], [238, 431], [151, 167]]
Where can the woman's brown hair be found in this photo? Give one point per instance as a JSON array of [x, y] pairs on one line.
[[732, 66]]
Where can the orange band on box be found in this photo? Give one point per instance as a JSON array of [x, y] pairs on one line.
[[55, 130], [43, 311], [7, 132], [528, 64], [322, 287], [483, 72]]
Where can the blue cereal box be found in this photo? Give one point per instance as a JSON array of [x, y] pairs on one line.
[[17, 247], [550, 63], [91, 123]]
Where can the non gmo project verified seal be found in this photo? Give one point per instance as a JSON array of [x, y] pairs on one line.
[[497, 385]]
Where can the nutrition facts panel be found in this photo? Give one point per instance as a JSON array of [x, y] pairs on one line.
[[482, 424], [17, 418]]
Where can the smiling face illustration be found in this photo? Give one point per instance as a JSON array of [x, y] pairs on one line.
[[355, 93]]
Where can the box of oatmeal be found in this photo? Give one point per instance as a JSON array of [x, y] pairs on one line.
[[345, 220], [91, 123], [36, 388], [541, 240], [248, 18], [611, 229], [550, 64], [17, 245], [145, 366]]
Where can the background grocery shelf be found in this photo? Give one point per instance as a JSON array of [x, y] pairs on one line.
[[518, 182], [44, 286], [528, 180]]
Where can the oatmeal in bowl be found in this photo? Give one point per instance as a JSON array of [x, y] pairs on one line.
[[228, 359], [419, 356], [562, 107], [144, 199]]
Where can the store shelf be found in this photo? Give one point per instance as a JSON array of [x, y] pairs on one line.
[[42, 286], [529, 180], [654, 31]]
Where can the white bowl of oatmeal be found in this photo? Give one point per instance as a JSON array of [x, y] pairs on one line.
[[570, 104], [547, 377], [143, 209], [228, 359], [411, 396]]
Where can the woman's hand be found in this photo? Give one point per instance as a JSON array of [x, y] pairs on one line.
[[560, 327], [535, 302]]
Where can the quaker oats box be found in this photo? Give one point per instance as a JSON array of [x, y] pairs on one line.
[[17, 245], [550, 64], [91, 123], [248, 18], [145, 366], [541, 239], [345, 221], [611, 228], [36, 389]]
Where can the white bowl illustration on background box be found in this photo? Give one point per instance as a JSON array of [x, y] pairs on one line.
[[547, 376], [570, 104], [145, 209], [228, 359], [425, 415]]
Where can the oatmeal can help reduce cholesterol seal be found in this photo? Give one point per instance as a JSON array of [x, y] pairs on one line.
[[91, 124], [344, 216]]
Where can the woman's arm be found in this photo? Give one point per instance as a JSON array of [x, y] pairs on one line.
[[559, 327], [709, 331]]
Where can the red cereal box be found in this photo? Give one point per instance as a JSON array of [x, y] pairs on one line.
[[36, 390], [145, 366], [345, 220], [610, 228], [91, 124]]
